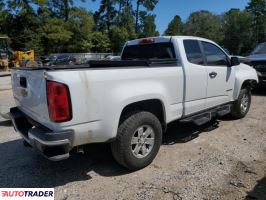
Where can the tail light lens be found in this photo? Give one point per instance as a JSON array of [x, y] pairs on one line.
[[58, 100], [147, 41]]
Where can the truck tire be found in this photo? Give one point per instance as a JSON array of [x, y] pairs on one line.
[[242, 104], [138, 141]]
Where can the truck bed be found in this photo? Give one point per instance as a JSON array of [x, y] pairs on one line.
[[110, 64]]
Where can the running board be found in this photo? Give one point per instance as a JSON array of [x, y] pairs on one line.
[[5, 116], [204, 117], [225, 110]]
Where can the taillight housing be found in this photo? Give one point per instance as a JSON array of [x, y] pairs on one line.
[[147, 41], [58, 100]]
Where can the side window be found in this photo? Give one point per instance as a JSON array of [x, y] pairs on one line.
[[214, 55], [193, 52]]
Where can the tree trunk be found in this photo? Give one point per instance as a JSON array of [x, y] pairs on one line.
[[108, 13], [66, 10], [119, 11], [137, 17]]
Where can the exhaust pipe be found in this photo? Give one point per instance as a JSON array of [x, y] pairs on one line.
[[80, 150]]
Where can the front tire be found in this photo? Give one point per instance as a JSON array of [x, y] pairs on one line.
[[242, 104], [138, 140]]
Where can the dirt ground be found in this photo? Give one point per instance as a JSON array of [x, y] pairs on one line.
[[224, 159]]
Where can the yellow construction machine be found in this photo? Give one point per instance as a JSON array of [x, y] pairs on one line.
[[10, 58]]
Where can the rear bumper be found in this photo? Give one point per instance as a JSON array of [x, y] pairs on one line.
[[54, 146]]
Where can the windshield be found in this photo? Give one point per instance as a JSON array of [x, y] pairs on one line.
[[260, 49], [149, 51]]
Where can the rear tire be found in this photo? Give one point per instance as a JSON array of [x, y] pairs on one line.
[[138, 140], [242, 104]]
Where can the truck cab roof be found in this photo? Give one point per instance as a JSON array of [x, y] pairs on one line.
[[162, 39]]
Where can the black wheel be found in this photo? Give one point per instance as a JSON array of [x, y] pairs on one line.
[[242, 104], [138, 140]]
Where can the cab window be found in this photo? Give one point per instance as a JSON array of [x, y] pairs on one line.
[[152, 51], [214, 55], [193, 52]]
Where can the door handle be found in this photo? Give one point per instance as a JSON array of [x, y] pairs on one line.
[[212, 74]]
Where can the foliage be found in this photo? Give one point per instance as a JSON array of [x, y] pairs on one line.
[[80, 24], [237, 26], [118, 37], [148, 4], [148, 27], [258, 10], [104, 17], [49, 26], [100, 42], [204, 24], [175, 27]]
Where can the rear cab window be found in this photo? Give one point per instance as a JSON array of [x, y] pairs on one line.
[[150, 51], [193, 52]]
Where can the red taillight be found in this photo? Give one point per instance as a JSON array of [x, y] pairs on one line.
[[147, 41], [58, 100]]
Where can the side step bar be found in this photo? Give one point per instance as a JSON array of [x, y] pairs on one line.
[[5, 115], [204, 117]]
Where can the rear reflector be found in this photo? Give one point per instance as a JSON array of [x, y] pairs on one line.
[[58, 100]]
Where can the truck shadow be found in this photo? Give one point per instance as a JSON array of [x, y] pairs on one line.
[[185, 132], [259, 191], [6, 123], [259, 91], [22, 167]]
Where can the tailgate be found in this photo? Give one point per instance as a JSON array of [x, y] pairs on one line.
[[29, 89]]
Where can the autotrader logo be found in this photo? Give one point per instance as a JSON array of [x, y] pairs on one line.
[[27, 193]]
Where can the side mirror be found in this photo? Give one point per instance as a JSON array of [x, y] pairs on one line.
[[235, 61]]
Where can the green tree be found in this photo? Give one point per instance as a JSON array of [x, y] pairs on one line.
[[175, 27], [105, 16], [80, 24], [126, 20], [121, 6], [118, 37], [2, 5], [237, 27], [22, 22], [258, 10], [149, 5], [5, 17], [100, 42], [148, 27], [204, 24], [61, 8], [55, 35], [20, 6]]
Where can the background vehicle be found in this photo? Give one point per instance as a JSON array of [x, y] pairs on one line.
[[63, 59], [129, 102], [258, 61], [10, 58], [112, 58]]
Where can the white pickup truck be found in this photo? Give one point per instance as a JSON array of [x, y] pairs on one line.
[[129, 103]]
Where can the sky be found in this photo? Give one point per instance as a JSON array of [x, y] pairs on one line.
[[166, 9]]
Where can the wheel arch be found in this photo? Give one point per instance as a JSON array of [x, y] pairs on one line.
[[154, 106], [249, 83]]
